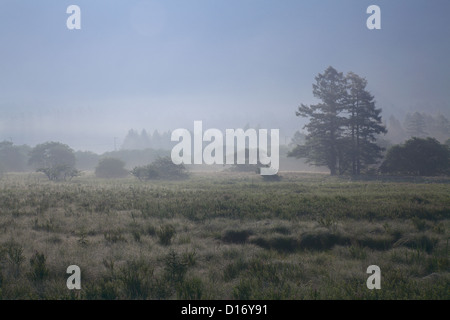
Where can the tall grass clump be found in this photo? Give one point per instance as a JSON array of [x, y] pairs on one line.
[[136, 277], [165, 234], [39, 270]]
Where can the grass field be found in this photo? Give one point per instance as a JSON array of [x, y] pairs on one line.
[[225, 236]]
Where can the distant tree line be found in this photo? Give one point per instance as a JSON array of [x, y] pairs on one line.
[[13, 158], [59, 162], [87, 160], [420, 125], [143, 140]]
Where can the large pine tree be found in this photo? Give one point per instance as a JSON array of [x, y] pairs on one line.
[[342, 129], [322, 146], [364, 124]]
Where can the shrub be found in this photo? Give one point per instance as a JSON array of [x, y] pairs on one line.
[[14, 255], [321, 241], [54, 159], [110, 168], [236, 236], [147, 172], [422, 243], [175, 267], [247, 166], [103, 289], [161, 168], [190, 257], [287, 244], [284, 243], [378, 242], [423, 157], [60, 172]]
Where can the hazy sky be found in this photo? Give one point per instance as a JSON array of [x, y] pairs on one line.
[[163, 64]]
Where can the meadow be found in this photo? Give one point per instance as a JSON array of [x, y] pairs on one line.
[[224, 235]]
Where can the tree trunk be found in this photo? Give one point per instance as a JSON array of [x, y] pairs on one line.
[[358, 162], [353, 143]]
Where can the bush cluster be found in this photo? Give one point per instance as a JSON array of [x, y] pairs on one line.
[[161, 168]]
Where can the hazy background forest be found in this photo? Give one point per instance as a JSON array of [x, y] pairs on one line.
[[142, 146]]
